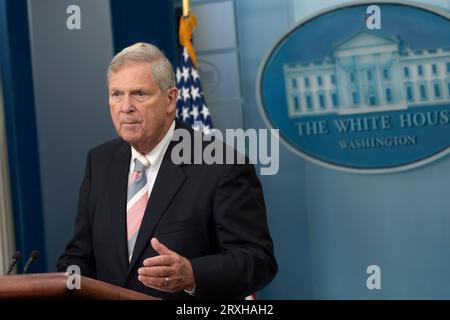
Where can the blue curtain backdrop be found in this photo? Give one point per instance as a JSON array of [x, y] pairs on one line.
[[15, 66]]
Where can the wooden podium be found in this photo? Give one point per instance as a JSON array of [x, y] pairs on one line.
[[54, 286]]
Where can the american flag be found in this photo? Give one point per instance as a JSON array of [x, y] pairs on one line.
[[191, 105]]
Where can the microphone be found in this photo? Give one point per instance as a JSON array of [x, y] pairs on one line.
[[33, 256], [15, 258]]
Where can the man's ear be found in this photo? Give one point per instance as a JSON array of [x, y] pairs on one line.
[[172, 96]]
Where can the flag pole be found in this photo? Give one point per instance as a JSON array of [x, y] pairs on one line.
[[185, 8]]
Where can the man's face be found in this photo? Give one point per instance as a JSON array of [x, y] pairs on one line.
[[140, 111]]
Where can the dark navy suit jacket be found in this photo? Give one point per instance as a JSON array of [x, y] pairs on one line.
[[214, 215]]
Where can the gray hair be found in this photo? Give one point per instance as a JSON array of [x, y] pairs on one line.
[[161, 68]]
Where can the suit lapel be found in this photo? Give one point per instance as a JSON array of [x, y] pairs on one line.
[[168, 181], [118, 199]]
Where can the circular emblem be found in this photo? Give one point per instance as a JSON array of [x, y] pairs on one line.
[[361, 87]]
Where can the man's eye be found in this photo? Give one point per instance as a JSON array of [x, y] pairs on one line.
[[115, 94], [141, 96]]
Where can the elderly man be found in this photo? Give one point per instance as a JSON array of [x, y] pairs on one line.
[[147, 224]]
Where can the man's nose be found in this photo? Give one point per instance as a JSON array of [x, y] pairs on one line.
[[126, 104]]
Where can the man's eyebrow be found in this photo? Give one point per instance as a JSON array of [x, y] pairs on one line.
[[131, 90], [139, 89]]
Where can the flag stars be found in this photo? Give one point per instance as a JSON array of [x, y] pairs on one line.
[[195, 93], [178, 75], [185, 74], [205, 112], [194, 113], [185, 114], [185, 54], [191, 107], [194, 74], [185, 93]]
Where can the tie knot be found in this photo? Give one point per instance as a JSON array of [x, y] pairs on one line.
[[141, 163]]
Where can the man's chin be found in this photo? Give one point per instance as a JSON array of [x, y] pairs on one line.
[[130, 135], [133, 140]]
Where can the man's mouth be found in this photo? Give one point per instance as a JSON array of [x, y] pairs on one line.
[[130, 122]]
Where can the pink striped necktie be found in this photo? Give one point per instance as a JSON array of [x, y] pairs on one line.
[[136, 200]]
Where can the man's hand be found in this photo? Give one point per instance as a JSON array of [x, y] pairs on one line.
[[167, 272]]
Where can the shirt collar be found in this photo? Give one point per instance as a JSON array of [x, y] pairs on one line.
[[156, 154]]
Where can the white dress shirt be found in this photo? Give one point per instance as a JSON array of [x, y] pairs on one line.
[[155, 158]]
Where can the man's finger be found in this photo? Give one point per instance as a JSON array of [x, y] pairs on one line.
[[158, 283], [159, 261], [155, 271], [160, 248]]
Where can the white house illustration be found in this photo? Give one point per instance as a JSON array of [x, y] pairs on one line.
[[368, 73]]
